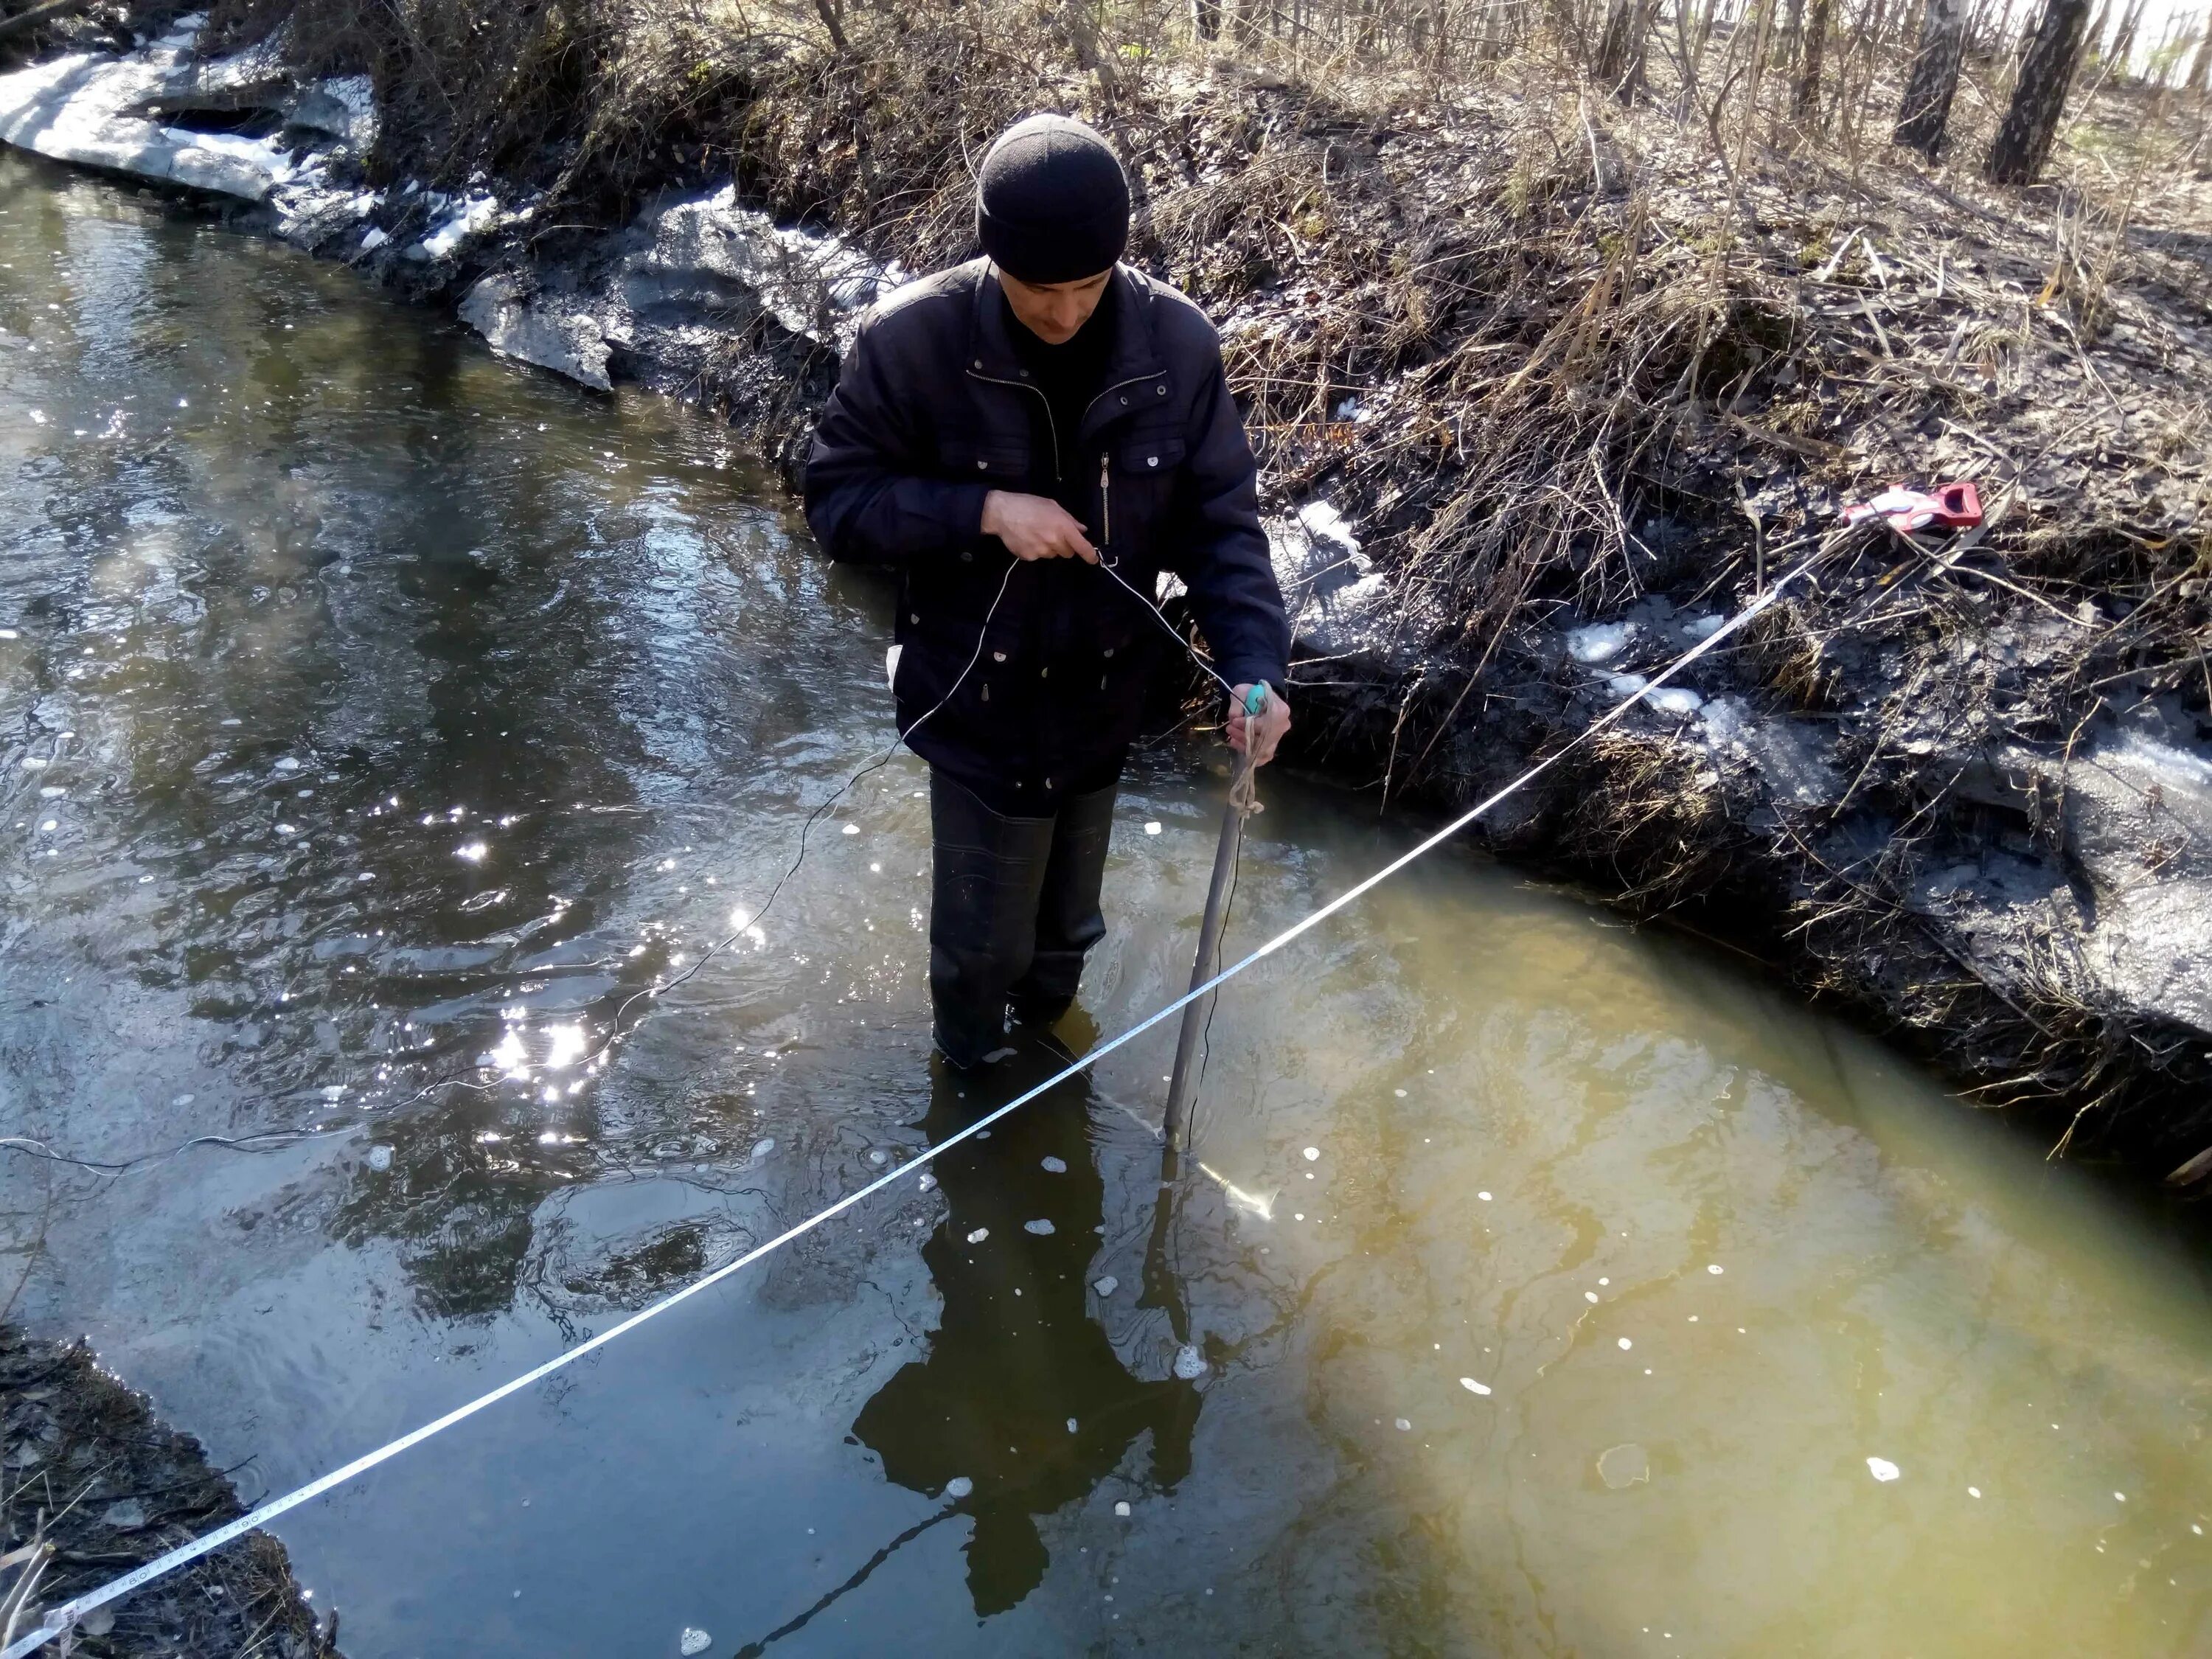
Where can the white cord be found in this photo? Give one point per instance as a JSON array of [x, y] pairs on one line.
[[65, 1616], [1190, 650]]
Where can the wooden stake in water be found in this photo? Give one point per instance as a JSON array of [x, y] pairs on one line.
[[1242, 803]]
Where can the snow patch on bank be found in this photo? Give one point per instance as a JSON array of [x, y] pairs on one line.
[[675, 290], [118, 113], [472, 216]]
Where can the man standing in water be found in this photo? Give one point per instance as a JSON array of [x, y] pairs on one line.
[[1013, 434]]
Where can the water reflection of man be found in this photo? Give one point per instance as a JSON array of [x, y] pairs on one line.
[[1021, 1393]]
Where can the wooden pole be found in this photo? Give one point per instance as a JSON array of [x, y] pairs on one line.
[[1208, 960]]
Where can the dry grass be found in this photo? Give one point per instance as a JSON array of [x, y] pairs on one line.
[[90, 1484]]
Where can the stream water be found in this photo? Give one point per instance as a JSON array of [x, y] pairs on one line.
[[374, 711]]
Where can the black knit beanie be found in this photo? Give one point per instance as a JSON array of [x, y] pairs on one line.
[[1051, 205]]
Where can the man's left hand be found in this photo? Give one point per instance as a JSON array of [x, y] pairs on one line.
[[1263, 732]]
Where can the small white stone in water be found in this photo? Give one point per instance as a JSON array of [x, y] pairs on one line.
[[1040, 1227], [1055, 1166], [1189, 1363], [1714, 1268], [1625, 1343], [928, 1182], [1484, 1197], [35, 764], [1152, 827], [958, 1487], [762, 1149], [1313, 1154], [1474, 1386], [1122, 1508], [1589, 1296], [852, 828], [979, 1235], [878, 1155], [1106, 1285], [287, 763], [1973, 1492], [1400, 1093], [694, 1640], [2121, 1495], [1883, 1469], [1071, 1425], [380, 1157]]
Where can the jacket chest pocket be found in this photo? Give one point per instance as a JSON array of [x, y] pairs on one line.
[[1001, 462], [1137, 476]]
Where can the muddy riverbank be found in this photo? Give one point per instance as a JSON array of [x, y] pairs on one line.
[[92, 1485], [1532, 413]]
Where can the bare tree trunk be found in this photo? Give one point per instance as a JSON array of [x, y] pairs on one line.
[[1206, 19], [1619, 65], [2200, 66], [1926, 108], [2124, 43], [2096, 34], [1805, 103], [828, 10], [2039, 98]]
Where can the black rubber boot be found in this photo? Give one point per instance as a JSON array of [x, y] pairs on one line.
[[1013, 910]]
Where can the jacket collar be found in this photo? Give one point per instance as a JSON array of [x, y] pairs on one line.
[[991, 351]]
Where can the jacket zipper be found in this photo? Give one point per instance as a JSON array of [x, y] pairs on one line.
[[1105, 472]]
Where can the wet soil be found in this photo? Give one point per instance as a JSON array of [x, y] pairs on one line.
[[88, 1469]]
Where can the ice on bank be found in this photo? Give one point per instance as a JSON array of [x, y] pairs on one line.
[[125, 114]]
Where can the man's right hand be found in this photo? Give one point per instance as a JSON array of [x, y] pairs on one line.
[[1036, 527]]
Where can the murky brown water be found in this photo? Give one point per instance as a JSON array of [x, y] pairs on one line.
[[368, 706]]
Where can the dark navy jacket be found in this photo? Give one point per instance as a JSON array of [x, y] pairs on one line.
[[932, 412]]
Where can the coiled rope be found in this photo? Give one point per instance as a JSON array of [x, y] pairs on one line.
[[65, 1616]]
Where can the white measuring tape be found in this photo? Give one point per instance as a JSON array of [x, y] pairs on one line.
[[65, 1616]]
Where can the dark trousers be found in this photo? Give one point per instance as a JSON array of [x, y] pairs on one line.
[[1013, 911]]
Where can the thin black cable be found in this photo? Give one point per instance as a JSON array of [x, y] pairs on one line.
[[277, 1140]]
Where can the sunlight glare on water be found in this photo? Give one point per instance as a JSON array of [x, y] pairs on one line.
[[378, 715]]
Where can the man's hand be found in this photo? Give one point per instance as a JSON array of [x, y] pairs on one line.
[[1034, 527], [1263, 733]]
